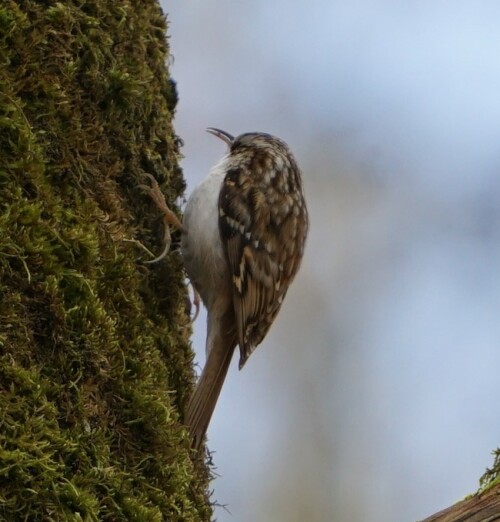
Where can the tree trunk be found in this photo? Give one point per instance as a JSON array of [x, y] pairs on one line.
[[95, 364], [481, 507]]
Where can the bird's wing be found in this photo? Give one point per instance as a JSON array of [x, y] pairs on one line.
[[260, 231]]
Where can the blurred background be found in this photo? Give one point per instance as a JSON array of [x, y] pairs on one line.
[[374, 395]]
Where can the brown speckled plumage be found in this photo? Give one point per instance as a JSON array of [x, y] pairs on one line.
[[263, 226], [244, 231]]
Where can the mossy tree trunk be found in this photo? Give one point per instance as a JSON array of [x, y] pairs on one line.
[[95, 364]]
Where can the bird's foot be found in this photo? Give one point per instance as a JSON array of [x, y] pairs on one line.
[[169, 218]]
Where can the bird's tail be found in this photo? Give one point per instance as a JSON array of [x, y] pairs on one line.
[[202, 403]]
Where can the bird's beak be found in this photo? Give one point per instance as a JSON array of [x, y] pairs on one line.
[[224, 136]]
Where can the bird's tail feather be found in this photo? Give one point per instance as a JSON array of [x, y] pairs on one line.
[[202, 403]]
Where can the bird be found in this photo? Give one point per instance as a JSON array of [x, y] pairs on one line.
[[243, 236]]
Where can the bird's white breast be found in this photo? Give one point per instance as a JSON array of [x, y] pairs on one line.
[[202, 249]]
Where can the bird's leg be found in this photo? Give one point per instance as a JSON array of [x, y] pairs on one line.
[[169, 218], [196, 302]]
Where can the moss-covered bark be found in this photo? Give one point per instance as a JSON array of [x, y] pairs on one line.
[[492, 475], [94, 358]]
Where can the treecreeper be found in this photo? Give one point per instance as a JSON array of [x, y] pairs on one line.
[[243, 237]]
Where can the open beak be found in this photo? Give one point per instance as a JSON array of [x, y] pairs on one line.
[[224, 136]]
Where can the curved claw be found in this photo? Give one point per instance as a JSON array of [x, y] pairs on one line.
[[167, 241], [169, 218]]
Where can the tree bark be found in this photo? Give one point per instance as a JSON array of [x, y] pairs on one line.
[[95, 364], [481, 507]]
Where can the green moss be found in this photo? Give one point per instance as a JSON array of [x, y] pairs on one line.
[[95, 363], [492, 475]]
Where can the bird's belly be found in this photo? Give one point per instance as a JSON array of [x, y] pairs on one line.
[[202, 250]]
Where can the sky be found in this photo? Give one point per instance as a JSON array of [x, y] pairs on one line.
[[373, 396]]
